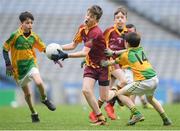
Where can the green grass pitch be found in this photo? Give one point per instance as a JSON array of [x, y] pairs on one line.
[[75, 117]]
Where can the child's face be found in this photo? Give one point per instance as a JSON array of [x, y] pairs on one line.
[[90, 19], [120, 19], [27, 25]]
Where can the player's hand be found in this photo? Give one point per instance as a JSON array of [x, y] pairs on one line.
[[9, 70], [83, 62], [104, 63], [108, 52], [59, 63], [60, 56]]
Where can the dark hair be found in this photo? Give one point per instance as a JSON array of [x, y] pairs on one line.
[[133, 39], [131, 26], [96, 10], [24, 15], [122, 10]]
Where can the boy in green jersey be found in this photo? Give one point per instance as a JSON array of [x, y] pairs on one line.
[[145, 78], [23, 64]]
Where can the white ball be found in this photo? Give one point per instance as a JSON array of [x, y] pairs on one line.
[[52, 49]]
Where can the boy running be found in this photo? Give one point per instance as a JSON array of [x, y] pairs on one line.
[[23, 64]]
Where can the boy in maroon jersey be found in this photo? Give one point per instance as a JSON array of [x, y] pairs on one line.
[[115, 42], [94, 46]]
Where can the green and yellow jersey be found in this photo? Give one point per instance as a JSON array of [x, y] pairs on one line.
[[22, 49], [136, 60]]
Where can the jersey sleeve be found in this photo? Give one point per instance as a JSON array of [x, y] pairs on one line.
[[7, 44], [39, 44], [78, 36]]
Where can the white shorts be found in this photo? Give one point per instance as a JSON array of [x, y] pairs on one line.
[[28, 77], [146, 87]]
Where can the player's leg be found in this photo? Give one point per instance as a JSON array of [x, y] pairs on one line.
[[144, 102], [118, 74], [88, 91], [158, 107], [123, 95], [105, 94], [39, 83], [109, 106], [149, 87], [133, 98], [27, 95]]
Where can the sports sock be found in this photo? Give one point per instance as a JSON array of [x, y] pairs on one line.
[[134, 111], [43, 98], [163, 115], [100, 103]]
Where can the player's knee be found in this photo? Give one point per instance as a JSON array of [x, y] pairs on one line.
[[86, 92], [123, 83], [149, 99], [39, 83]]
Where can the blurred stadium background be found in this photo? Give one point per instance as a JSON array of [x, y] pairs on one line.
[[57, 21]]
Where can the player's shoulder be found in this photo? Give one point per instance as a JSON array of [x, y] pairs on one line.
[[13, 34], [109, 29], [34, 34]]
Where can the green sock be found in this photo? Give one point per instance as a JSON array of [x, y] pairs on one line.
[[163, 115], [134, 111], [43, 98]]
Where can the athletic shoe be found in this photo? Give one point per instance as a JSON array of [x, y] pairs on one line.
[[135, 118], [49, 105], [35, 118], [92, 116], [101, 120], [110, 111], [167, 122], [131, 116]]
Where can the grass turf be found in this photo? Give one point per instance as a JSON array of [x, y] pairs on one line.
[[75, 117]]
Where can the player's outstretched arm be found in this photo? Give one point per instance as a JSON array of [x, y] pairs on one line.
[[110, 52], [61, 55], [105, 63], [70, 46]]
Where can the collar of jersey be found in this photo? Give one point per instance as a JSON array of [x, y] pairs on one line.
[[87, 29], [22, 34], [123, 31]]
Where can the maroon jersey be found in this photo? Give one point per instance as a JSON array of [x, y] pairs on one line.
[[114, 39], [94, 39]]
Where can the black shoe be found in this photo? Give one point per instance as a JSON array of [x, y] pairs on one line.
[[49, 105], [167, 122], [35, 118]]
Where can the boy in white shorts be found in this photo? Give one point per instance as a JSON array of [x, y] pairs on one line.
[[145, 78], [23, 63]]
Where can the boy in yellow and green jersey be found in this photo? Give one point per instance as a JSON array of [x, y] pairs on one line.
[[23, 64], [145, 78]]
